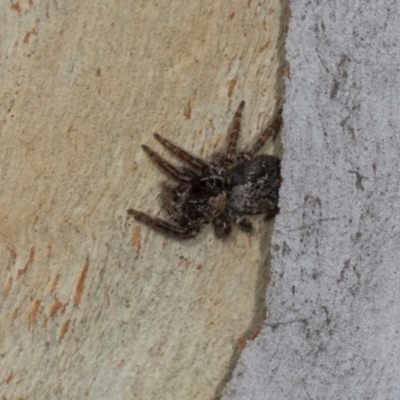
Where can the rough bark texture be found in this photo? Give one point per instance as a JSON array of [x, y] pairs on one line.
[[332, 330], [93, 304]]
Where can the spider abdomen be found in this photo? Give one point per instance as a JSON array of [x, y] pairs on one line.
[[253, 185]]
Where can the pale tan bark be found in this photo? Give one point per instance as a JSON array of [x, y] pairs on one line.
[[93, 304]]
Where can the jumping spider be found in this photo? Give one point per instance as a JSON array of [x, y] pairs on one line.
[[220, 190]]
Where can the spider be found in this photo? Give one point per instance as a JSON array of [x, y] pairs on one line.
[[221, 190]]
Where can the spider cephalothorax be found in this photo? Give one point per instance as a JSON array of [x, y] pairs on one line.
[[221, 190]]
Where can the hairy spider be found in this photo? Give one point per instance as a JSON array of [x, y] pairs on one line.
[[220, 190]]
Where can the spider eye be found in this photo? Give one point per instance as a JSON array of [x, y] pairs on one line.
[[198, 201]]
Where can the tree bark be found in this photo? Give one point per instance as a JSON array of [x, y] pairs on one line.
[[95, 305]]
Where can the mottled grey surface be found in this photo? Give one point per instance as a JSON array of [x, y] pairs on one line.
[[333, 328]]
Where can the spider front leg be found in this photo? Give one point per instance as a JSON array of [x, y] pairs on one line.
[[222, 226], [194, 162], [167, 167], [163, 226], [269, 131], [244, 223], [231, 149], [239, 220]]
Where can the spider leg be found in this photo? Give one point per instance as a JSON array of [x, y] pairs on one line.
[[222, 226], [272, 213], [234, 134], [194, 162], [270, 130], [243, 223], [167, 167], [163, 226]]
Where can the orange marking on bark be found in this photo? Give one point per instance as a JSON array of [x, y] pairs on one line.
[[64, 329], [265, 45], [32, 316], [232, 85], [32, 254], [55, 307], [9, 377], [55, 283], [7, 287], [81, 282], [255, 334], [28, 33], [23, 271], [188, 110], [16, 6], [242, 343], [136, 238]]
